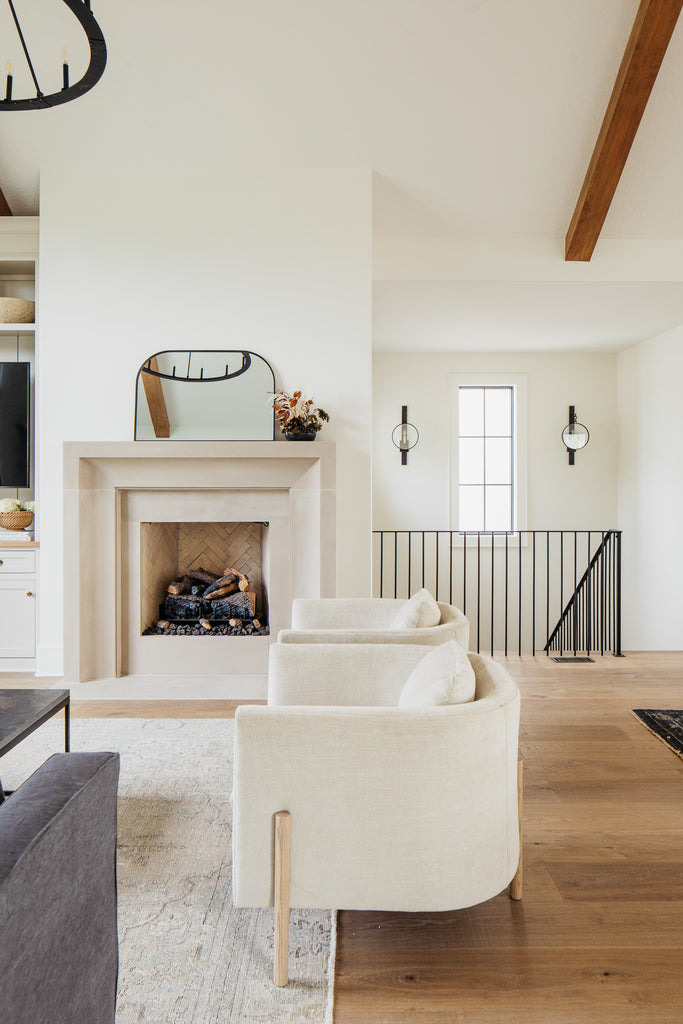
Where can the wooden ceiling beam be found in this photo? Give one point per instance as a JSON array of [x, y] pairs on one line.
[[652, 30]]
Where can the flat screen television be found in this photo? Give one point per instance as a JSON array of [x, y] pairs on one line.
[[15, 469]]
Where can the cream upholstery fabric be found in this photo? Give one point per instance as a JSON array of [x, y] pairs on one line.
[[363, 620], [444, 676], [369, 827], [418, 612]]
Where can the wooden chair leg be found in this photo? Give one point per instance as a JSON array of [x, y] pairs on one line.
[[281, 901], [516, 883]]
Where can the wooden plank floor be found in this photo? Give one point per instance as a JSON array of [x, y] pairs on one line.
[[598, 937]]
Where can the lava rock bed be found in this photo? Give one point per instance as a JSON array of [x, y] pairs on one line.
[[219, 629]]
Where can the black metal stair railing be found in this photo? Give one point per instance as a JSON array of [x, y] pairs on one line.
[[552, 591], [581, 623]]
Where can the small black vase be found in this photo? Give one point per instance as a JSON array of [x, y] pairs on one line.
[[309, 436]]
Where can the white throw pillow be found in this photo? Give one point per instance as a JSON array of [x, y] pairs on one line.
[[445, 676], [421, 610]]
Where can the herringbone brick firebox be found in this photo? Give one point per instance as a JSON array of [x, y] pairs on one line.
[[169, 551]]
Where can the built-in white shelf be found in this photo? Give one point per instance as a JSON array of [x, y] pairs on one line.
[[17, 328]]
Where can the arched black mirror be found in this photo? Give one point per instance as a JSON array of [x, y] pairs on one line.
[[204, 395]]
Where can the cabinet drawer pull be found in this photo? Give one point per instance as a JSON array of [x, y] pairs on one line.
[[29, 594], [1, 562]]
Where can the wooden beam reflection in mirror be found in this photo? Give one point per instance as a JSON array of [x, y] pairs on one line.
[[156, 402], [4, 206]]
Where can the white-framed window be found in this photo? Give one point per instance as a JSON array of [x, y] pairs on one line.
[[487, 452]]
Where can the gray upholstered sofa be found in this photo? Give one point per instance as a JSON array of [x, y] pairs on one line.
[[58, 934]]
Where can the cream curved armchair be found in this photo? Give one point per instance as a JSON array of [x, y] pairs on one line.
[[364, 620], [376, 807]]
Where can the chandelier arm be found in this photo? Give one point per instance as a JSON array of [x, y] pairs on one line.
[[98, 60], [25, 48]]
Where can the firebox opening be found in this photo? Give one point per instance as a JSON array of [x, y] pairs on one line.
[[203, 579]]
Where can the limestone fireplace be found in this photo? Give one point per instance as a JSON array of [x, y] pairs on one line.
[[114, 490]]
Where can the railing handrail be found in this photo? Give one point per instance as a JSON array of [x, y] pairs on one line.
[[499, 533]]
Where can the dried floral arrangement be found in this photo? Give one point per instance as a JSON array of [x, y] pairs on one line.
[[298, 415]]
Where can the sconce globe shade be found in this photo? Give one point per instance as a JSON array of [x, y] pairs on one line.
[[575, 436], [405, 436]]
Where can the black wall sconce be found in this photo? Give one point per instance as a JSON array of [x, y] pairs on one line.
[[575, 435], [404, 435]]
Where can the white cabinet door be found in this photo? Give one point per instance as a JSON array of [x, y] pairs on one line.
[[17, 618]]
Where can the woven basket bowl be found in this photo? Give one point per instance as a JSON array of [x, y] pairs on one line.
[[15, 520], [17, 311]]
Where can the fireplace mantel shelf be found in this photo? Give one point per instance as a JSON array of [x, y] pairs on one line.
[[307, 452], [199, 449]]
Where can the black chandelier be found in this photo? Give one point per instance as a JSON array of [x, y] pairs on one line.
[[94, 71]]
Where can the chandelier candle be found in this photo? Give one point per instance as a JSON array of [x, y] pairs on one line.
[[65, 72], [8, 90]]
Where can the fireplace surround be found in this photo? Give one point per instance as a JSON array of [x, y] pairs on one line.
[[112, 488]]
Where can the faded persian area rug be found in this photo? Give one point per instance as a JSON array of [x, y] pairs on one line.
[[187, 956], [666, 726]]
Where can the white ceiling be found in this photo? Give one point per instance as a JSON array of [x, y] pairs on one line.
[[478, 116], [520, 316]]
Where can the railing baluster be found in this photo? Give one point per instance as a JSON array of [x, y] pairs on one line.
[[507, 535], [547, 589], [423, 559], [612, 594], [617, 538], [576, 609], [436, 585], [533, 594], [589, 597], [608, 643], [603, 601], [410, 559], [381, 564], [450, 563], [464, 574], [493, 589], [562, 583], [478, 591], [519, 603], [596, 608]]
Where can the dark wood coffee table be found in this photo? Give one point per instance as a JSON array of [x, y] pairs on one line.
[[24, 711]]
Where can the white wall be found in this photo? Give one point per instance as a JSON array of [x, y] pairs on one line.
[[276, 261], [559, 496], [651, 491]]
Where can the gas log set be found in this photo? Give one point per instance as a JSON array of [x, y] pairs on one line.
[[204, 603]]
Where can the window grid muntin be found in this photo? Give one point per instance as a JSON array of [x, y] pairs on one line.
[[484, 388]]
